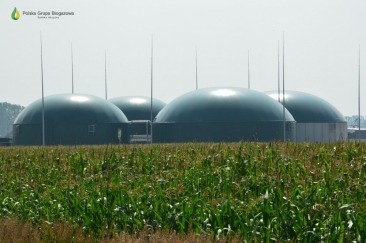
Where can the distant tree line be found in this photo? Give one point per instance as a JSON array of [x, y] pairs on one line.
[[352, 121], [8, 113]]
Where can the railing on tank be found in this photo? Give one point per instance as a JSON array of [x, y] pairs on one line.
[[6, 141], [140, 131]]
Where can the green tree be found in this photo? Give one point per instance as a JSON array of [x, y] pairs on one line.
[[352, 121], [8, 113]]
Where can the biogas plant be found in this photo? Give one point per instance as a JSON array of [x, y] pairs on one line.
[[219, 114]]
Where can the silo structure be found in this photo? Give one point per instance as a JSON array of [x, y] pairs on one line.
[[225, 114], [316, 119], [138, 107], [138, 111], [71, 119]]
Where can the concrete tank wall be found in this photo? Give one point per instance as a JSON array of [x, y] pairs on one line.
[[321, 132]]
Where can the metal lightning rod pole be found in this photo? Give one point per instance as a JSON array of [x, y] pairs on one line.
[[283, 86], [151, 89], [105, 74], [278, 71], [196, 70], [248, 72], [72, 70], [359, 87], [43, 123]]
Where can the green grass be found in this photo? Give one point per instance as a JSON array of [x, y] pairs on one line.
[[248, 191]]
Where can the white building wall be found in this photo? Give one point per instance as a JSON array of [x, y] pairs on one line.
[[321, 132]]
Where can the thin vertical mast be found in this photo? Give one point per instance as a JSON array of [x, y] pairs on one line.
[[359, 87], [248, 72], [72, 70], [151, 88], [278, 71], [196, 70], [43, 123], [283, 86], [105, 74]]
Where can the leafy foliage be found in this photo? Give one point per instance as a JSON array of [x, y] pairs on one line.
[[352, 121], [8, 113], [251, 191]]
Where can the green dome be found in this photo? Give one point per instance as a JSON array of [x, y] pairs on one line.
[[225, 104], [71, 108], [138, 107], [71, 119], [308, 108]]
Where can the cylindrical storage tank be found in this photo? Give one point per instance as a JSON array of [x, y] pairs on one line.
[[138, 107], [316, 119], [138, 111], [71, 119], [223, 114]]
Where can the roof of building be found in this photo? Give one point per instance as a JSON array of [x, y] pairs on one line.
[[308, 108], [138, 107], [223, 104], [71, 108]]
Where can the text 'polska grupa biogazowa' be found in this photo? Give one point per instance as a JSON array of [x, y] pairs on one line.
[[47, 14]]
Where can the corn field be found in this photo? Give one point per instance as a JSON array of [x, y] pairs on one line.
[[253, 192]]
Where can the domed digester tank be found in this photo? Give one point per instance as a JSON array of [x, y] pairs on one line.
[[316, 119], [223, 114], [71, 119]]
